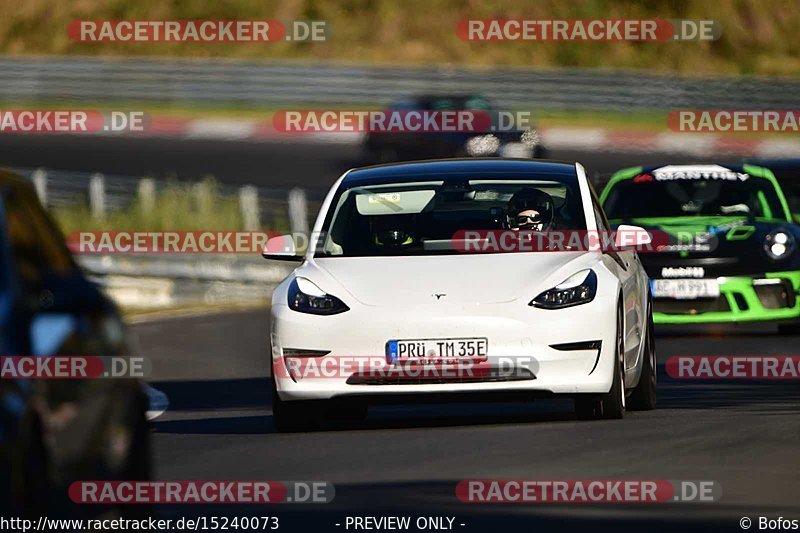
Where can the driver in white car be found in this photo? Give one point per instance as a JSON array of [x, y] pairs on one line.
[[530, 210]]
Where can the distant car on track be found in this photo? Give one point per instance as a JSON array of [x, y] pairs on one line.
[[390, 147], [56, 431], [734, 256], [383, 278]]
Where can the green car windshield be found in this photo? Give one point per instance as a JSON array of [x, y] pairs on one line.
[[645, 197]]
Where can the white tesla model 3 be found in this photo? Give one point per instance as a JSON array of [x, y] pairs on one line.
[[414, 283]]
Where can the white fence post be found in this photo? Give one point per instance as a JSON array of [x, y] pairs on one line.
[[39, 178], [298, 210], [147, 195], [97, 195], [202, 195], [248, 204]]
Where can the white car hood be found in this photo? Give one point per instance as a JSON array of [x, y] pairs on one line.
[[478, 278]]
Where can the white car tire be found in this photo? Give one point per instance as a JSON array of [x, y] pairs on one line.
[[643, 397], [296, 416], [610, 405]]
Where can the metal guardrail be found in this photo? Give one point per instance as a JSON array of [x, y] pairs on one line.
[[65, 188], [256, 83], [153, 281], [165, 280]]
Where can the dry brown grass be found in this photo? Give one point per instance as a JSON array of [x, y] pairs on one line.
[[759, 36]]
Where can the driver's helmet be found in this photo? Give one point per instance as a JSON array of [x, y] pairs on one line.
[[391, 231], [530, 209]]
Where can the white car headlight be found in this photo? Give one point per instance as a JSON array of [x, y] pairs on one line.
[[306, 297], [779, 244], [577, 289]]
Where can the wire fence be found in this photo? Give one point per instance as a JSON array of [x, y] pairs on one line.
[[84, 79]]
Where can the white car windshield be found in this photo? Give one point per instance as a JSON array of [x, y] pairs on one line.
[[424, 218]]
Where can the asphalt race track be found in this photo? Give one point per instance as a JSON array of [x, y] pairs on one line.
[[305, 164], [407, 459]]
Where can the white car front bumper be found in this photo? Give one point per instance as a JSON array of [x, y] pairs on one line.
[[518, 335]]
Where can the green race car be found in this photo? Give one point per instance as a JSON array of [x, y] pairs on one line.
[[726, 242]]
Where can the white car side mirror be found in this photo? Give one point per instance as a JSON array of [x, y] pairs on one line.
[[628, 237], [282, 248]]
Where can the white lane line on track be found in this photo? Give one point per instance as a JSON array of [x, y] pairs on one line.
[[779, 148], [570, 138], [220, 129], [698, 145], [586, 138]]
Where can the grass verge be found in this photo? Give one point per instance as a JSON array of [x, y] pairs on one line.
[[174, 207]]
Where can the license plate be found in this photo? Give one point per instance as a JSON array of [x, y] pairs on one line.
[[422, 349], [685, 289]]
